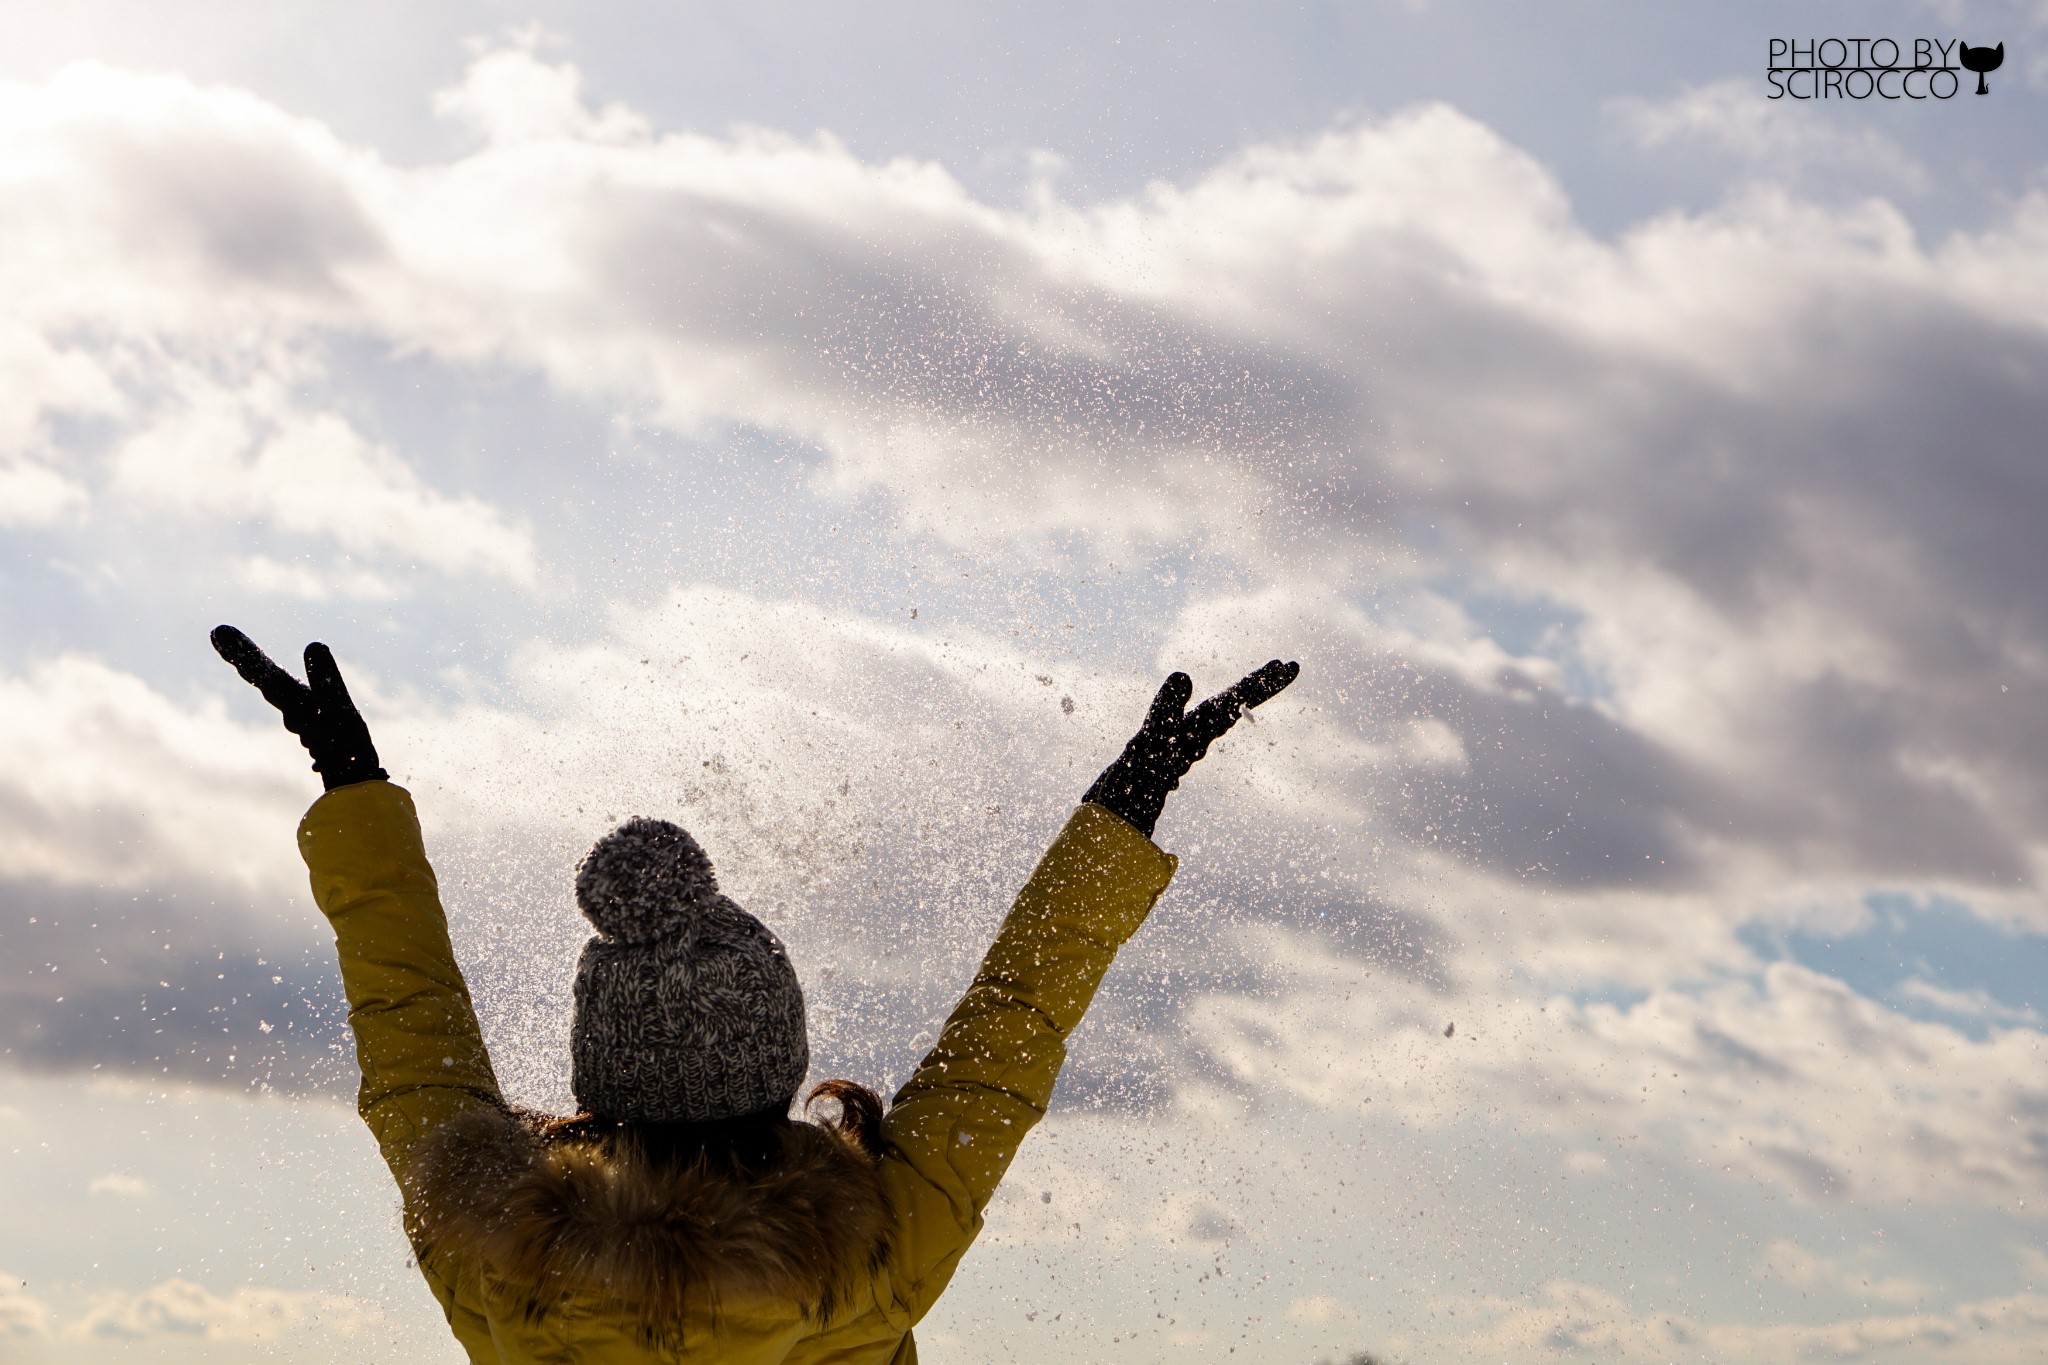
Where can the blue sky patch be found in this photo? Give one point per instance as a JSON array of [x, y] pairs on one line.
[[1931, 939]]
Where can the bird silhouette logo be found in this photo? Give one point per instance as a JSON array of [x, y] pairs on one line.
[[1981, 60]]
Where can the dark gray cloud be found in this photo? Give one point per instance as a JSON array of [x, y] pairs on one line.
[[938, 329], [1886, 485], [1321, 361], [167, 986], [1876, 478]]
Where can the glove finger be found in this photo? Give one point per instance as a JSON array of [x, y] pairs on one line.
[[323, 675], [1208, 722], [1170, 702], [1263, 684], [258, 669]]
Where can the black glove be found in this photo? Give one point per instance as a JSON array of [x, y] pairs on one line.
[[318, 710], [1160, 754]]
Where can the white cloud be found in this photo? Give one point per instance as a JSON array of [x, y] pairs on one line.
[[249, 1313], [119, 1184], [1970, 1004], [1782, 141], [170, 259], [34, 495], [248, 455], [1570, 1321], [1804, 1269], [1709, 443], [109, 783], [211, 214], [1791, 1078], [1319, 1309], [41, 378], [262, 574], [22, 1315], [511, 95]]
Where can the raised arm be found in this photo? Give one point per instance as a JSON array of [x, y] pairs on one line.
[[417, 1041], [956, 1125]]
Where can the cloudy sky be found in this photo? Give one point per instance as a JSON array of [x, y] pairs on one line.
[[825, 427]]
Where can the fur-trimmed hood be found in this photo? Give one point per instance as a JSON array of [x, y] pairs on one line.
[[552, 1218]]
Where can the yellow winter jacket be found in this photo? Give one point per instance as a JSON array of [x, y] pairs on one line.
[[950, 1133]]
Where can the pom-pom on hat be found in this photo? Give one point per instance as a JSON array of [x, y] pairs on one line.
[[687, 1008], [641, 879]]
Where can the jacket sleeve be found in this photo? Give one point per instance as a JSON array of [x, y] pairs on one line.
[[417, 1040], [955, 1126]]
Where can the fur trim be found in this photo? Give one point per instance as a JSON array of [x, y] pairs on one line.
[[558, 1218]]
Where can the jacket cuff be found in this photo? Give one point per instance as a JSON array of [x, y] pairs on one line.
[[1099, 805], [1129, 870]]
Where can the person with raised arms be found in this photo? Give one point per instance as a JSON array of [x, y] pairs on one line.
[[688, 1213]]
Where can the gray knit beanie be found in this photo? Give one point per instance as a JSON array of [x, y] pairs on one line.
[[686, 1005]]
